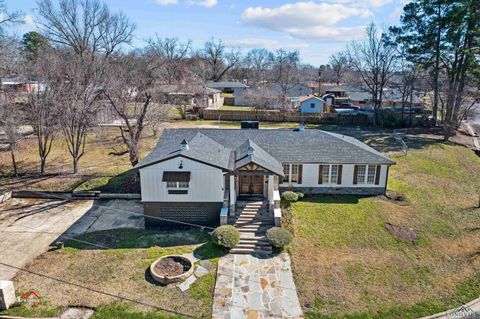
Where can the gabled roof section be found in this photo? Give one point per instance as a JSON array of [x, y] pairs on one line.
[[199, 147], [308, 97], [249, 152]]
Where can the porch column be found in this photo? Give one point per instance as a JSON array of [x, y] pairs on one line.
[[271, 182], [233, 195]]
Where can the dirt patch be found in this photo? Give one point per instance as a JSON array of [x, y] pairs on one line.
[[401, 233], [171, 266]]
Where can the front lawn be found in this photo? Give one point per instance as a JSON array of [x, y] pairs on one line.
[[347, 265], [122, 271]]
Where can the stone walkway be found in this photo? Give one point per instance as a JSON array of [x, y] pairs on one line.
[[255, 287]]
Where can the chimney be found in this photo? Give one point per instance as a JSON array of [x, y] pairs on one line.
[[184, 146]]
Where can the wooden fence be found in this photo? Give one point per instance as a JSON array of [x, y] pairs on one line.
[[285, 116]]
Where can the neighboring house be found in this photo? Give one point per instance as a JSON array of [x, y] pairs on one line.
[[19, 83], [194, 95], [194, 174], [312, 104], [271, 95]]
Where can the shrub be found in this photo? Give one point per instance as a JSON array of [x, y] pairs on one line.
[[226, 236], [300, 195], [290, 196], [279, 237]]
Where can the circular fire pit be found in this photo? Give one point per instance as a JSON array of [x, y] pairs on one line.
[[171, 268]]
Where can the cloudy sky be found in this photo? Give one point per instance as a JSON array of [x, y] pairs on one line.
[[316, 28]]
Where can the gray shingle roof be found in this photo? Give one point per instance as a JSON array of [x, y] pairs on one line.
[[249, 152], [217, 146], [222, 85]]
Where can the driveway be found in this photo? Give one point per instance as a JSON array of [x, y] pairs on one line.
[[29, 226]]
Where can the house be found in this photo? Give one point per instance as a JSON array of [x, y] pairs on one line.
[[271, 96], [197, 175], [194, 95], [19, 83], [228, 87], [312, 104]]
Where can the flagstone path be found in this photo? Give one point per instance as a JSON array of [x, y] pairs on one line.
[[255, 287]]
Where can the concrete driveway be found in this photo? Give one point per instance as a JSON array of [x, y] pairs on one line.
[[29, 226]]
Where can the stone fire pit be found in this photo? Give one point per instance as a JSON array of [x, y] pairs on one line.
[[171, 268]]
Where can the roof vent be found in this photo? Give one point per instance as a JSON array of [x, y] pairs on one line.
[[184, 146], [250, 151]]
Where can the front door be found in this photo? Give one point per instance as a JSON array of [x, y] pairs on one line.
[[251, 184]]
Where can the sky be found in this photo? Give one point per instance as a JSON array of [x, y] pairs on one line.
[[317, 29]]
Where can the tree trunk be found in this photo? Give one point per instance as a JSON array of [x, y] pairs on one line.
[[75, 165], [42, 165], [133, 156], [14, 162]]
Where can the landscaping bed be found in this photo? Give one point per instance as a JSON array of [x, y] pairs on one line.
[[120, 271], [347, 264]]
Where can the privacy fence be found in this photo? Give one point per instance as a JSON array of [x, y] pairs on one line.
[[285, 116]]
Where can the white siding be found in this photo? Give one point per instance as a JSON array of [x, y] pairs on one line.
[[206, 182], [310, 177], [305, 106]]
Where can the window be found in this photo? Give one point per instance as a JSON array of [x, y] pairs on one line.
[[325, 174], [177, 184], [371, 174], [334, 174], [312, 105], [286, 172], [294, 174], [361, 174], [367, 174]]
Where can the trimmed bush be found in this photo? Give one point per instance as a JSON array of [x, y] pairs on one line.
[[300, 195], [279, 237], [226, 236], [289, 196]]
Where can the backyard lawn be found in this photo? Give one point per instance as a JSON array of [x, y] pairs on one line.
[[122, 271], [347, 265], [236, 108]]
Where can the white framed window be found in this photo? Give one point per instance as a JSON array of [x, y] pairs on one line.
[[333, 174], [178, 184], [325, 174], [294, 173], [361, 173], [371, 174], [286, 173], [367, 174]]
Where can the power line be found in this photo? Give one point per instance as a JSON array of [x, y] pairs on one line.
[[96, 290]]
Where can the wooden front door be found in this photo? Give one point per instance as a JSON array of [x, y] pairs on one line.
[[251, 184]]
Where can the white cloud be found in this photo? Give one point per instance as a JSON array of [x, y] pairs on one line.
[[251, 43], [301, 14], [395, 15], [309, 20], [165, 2], [204, 3]]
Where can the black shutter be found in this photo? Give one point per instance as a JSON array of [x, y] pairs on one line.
[[300, 172], [355, 173], [377, 175], [320, 174], [339, 177]]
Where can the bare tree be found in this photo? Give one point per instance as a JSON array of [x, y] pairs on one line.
[[86, 34], [218, 60], [259, 62], [130, 91], [339, 65], [8, 18], [285, 71], [170, 55], [10, 117], [374, 61], [42, 106]]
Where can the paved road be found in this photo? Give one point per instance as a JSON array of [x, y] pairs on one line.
[[28, 227]]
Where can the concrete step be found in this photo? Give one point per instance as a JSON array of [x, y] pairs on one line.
[[253, 219], [253, 244], [246, 251], [253, 223]]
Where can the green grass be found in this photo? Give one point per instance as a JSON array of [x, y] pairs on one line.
[[236, 108], [124, 311], [362, 271], [44, 309]]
